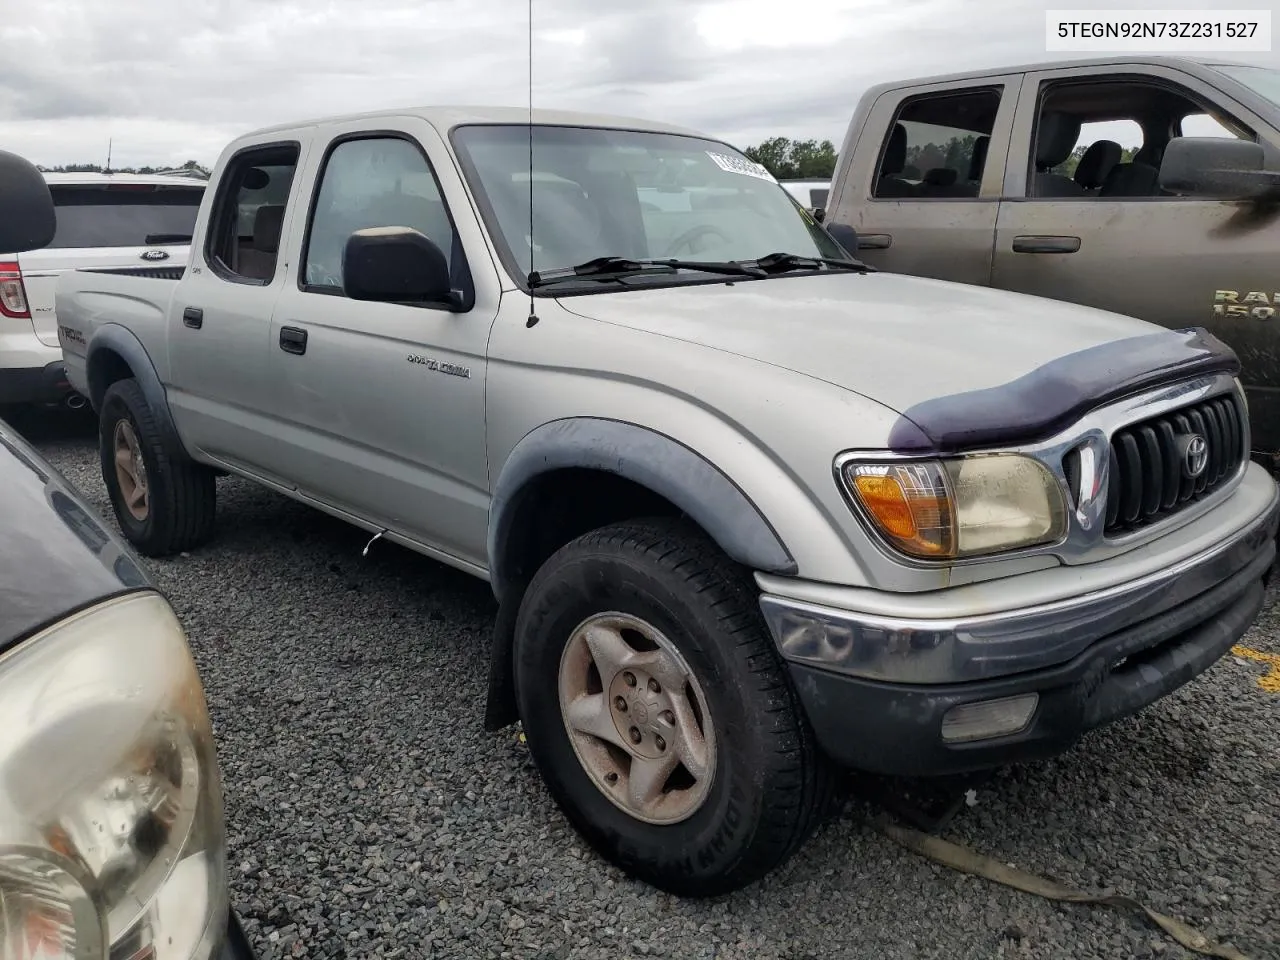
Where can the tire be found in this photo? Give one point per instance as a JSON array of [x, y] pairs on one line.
[[770, 784], [179, 511]]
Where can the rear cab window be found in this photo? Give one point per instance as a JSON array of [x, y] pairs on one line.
[[124, 214]]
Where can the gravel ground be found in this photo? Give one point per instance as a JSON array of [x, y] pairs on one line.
[[370, 814]]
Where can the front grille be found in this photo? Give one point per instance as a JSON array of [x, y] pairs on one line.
[[1153, 462]]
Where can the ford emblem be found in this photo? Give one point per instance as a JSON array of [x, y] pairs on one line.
[[155, 255]]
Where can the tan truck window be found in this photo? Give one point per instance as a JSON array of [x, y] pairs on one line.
[[936, 147], [1106, 138]]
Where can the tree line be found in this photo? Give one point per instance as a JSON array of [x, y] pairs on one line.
[[789, 159], [957, 153], [191, 166]]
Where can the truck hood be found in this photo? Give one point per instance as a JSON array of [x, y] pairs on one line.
[[895, 339]]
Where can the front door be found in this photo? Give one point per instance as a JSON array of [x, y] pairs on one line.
[[383, 404], [1085, 220]]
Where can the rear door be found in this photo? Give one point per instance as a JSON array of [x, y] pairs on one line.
[[219, 385], [106, 224], [1126, 245], [923, 189]]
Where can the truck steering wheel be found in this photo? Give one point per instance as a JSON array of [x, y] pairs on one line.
[[693, 233]]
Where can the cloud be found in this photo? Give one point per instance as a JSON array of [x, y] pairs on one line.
[[28, 96], [173, 81]]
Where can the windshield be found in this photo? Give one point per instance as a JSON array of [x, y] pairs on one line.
[[617, 193], [1263, 81]]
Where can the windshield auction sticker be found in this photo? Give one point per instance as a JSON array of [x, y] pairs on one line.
[[744, 167]]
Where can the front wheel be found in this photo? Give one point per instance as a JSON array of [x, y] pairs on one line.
[[659, 713]]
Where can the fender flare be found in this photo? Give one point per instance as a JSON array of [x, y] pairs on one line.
[[655, 461], [122, 341]]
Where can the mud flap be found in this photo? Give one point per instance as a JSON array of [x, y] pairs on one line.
[[500, 706]]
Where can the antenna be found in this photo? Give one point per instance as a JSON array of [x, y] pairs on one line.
[[533, 316], [107, 168]]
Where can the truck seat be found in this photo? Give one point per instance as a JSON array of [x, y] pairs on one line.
[[944, 182], [1055, 139], [1097, 162], [890, 184], [1131, 180], [978, 162], [258, 261]]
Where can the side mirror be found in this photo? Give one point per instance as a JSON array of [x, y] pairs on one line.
[[28, 220], [1218, 168], [396, 265], [844, 235]]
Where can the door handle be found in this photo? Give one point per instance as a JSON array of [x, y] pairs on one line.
[[293, 340], [193, 317], [874, 241], [1046, 244]]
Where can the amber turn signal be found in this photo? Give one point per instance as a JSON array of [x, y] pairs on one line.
[[908, 503]]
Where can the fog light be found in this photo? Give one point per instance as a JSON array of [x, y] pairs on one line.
[[989, 718]]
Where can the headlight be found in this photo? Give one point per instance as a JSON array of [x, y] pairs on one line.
[[965, 507], [111, 837]]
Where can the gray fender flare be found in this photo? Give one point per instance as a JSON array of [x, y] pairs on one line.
[[651, 459], [121, 340]]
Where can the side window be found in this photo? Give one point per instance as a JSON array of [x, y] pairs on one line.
[[244, 231], [1106, 138], [371, 182], [937, 146]]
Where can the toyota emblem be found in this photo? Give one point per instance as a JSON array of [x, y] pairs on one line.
[[154, 255], [1195, 456]]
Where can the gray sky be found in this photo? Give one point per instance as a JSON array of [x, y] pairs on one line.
[[171, 80]]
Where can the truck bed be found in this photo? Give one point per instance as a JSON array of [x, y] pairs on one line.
[[135, 297]]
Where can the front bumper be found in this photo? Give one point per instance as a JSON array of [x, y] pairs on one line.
[[876, 690]]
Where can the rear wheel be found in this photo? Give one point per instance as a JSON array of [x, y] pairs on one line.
[[659, 713], [163, 501]]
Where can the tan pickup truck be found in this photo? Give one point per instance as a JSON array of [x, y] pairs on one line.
[[1134, 184]]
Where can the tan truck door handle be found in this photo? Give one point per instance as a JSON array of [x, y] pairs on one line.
[[1046, 244]]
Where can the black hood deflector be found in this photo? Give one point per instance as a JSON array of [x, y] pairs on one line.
[[1052, 397]]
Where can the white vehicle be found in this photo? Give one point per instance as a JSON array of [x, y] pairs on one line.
[[810, 194], [104, 220]]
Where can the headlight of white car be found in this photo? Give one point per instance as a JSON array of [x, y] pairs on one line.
[[963, 507], [111, 831]]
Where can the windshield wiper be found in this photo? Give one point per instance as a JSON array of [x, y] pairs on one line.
[[611, 268], [157, 239], [783, 262]]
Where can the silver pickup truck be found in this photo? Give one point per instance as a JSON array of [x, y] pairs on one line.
[[751, 510]]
